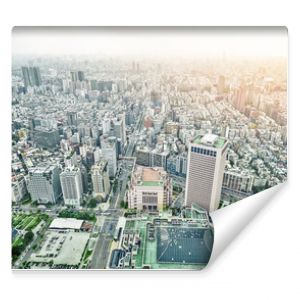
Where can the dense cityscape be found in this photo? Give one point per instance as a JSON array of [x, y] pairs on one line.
[[117, 162]]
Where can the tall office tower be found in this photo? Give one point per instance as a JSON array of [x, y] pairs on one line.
[[26, 79], [205, 170], [84, 177], [74, 75], [80, 76], [72, 118], [44, 184], [150, 189], [71, 184], [35, 76], [100, 179], [77, 76], [120, 130], [31, 76], [110, 154]]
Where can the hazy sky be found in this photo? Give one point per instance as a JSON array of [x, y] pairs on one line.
[[143, 41]]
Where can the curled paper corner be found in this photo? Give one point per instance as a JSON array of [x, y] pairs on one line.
[[229, 222]]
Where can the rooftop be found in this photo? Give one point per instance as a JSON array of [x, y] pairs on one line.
[[151, 183], [211, 140], [66, 223], [150, 174]]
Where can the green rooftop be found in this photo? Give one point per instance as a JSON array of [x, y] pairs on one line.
[[210, 140], [150, 183]]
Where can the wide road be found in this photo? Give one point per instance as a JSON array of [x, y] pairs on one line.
[[102, 248]]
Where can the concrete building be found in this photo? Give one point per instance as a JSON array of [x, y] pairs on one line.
[[44, 184], [158, 158], [177, 164], [72, 118], [205, 170], [18, 189], [46, 138], [100, 179], [71, 184], [150, 189], [142, 156], [238, 181], [31, 76], [109, 153], [120, 130]]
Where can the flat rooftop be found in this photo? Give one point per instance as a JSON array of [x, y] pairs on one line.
[[175, 246], [184, 245], [151, 177], [66, 223], [210, 140], [151, 183], [150, 174]]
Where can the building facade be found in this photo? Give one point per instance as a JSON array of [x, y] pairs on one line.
[[150, 189], [205, 170], [109, 152], [44, 184], [71, 184], [238, 181], [100, 179]]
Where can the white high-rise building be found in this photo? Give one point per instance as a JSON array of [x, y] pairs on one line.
[[120, 129], [150, 189], [44, 185], [106, 125], [110, 154], [71, 184], [205, 170], [100, 179]]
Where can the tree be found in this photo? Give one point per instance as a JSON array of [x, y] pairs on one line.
[[92, 203], [124, 204], [28, 237]]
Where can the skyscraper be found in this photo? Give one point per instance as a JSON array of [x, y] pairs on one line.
[[110, 154], [80, 76], [71, 184], [77, 75], [72, 118], [44, 185], [25, 73], [205, 170], [100, 179], [120, 130], [31, 76]]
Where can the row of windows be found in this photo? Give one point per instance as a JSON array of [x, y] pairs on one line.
[[204, 151]]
